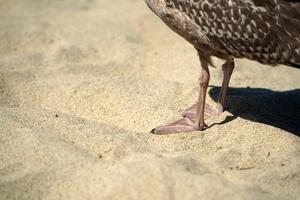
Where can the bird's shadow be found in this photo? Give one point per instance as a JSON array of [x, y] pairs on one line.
[[278, 109]]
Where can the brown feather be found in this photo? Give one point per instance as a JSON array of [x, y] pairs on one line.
[[267, 31]]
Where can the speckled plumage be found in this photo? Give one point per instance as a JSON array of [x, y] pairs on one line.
[[267, 31]]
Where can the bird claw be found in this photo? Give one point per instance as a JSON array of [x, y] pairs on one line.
[[187, 122], [182, 125], [209, 111]]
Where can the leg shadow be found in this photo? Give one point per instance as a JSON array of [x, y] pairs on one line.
[[279, 109]]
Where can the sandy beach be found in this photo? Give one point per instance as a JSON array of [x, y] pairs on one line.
[[83, 82]]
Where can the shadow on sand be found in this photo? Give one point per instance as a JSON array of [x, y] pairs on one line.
[[279, 109]]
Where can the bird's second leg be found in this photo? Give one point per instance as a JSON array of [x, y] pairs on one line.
[[187, 124], [227, 68], [191, 112]]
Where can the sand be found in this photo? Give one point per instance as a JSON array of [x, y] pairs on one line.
[[83, 82]]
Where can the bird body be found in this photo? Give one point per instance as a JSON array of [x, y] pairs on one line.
[[267, 31]]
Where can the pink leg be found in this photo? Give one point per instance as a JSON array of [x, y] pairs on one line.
[[204, 80], [227, 71], [191, 112], [187, 124]]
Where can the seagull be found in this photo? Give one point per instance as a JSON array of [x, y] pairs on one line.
[[266, 31]]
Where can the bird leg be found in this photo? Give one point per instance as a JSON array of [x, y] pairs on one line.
[[227, 68], [187, 124], [191, 112], [204, 80]]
